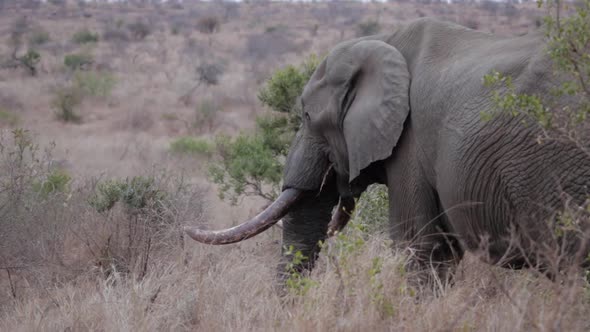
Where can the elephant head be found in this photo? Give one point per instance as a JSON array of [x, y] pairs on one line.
[[354, 108]]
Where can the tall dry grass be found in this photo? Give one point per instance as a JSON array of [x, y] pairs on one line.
[[231, 288], [73, 259]]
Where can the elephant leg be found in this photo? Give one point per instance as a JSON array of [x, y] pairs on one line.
[[417, 219], [418, 225]]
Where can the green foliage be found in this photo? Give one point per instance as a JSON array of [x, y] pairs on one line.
[[368, 28], [9, 118], [38, 37], [569, 48], [297, 283], [24, 175], [85, 36], [246, 166], [78, 61], [284, 87], [30, 61], [93, 83], [252, 164], [135, 194], [65, 101], [378, 297], [372, 209], [56, 181], [513, 103], [191, 145], [350, 242]]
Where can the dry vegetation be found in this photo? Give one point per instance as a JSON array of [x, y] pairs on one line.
[[93, 196]]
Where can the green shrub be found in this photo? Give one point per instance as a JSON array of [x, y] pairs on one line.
[[246, 167], [8, 118], [38, 37], [370, 27], [252, 164], [281, 91], [30, 61], [93, 83], [568, 47], [85, 36], [135, 194], [191, 145], [56, 181], [65, 102], [372, 208], [78, 61]]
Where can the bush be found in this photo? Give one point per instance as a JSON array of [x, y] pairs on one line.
[[568, 48], [205, 114], [368, 28], [115, 33], [78, 61], [135, 194], [190, 145], [85, 36], [252, 164], [38, 37], [65, 102], [93, 83], [17, 31], [246, 167], [208, 24], [282, 90], [139, 30], [372, 209], [30, 61], [8, 118], [56, 181], [209, 73], [114, 226]]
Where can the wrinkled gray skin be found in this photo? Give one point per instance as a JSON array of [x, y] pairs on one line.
[[404, 109]]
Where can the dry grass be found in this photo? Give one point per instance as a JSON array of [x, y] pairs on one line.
[[53, 275], [231, 288]]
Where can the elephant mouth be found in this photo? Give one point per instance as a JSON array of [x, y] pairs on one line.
[[267, 218]]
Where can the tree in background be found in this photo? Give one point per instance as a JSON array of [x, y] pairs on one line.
[[251, 164]]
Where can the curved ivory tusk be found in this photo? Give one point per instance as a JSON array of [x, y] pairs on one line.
[[254, 226], [341, 216]]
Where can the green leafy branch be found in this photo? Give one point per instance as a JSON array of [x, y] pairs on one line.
[[251, 164]]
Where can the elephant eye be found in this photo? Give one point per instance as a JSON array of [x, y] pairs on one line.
[[307, 117]]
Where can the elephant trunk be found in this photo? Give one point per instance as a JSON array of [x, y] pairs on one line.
[[304, 227], [265, 219]]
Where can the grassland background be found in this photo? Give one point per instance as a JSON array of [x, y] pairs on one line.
[[52, 265]]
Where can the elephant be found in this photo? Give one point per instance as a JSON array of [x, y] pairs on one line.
[[404, 109]]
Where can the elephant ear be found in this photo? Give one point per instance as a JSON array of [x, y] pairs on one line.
[[376, 103]]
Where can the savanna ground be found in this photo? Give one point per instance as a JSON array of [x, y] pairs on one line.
[[94, 193]]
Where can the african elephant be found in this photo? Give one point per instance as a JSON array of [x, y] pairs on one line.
[[404, 109]]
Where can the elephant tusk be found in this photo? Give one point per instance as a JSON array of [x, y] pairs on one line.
[[264, 220], [341, 216]]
